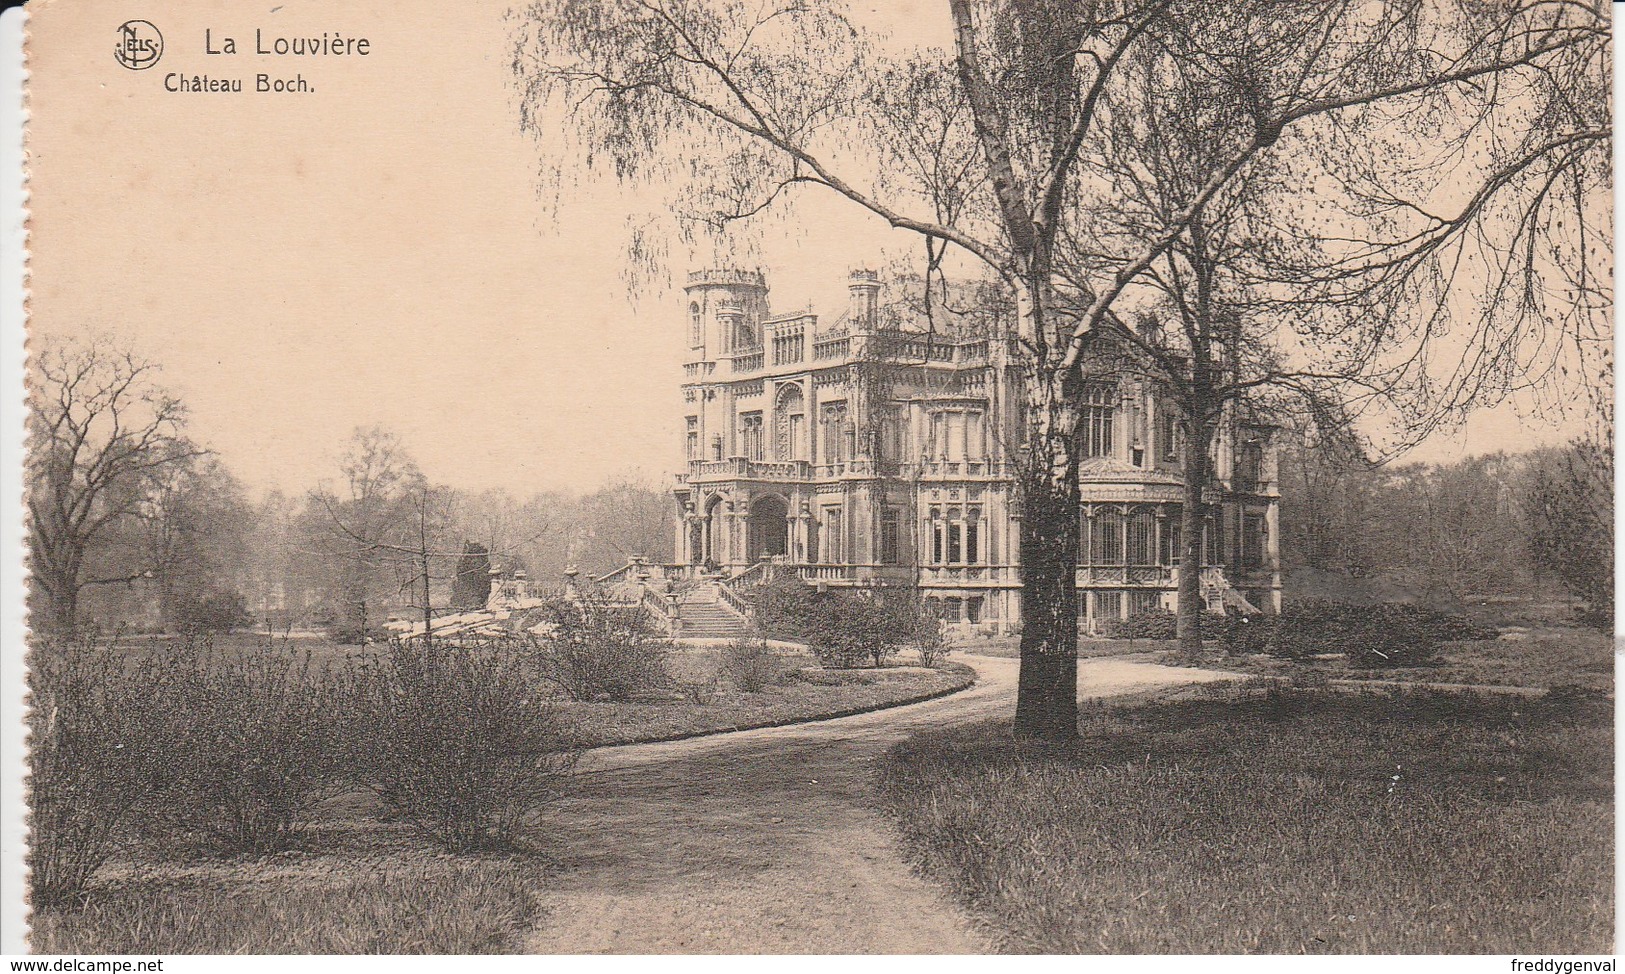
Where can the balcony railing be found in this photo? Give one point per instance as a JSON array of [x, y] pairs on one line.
[[969, 574], [834, 348], [748, 361], [963, 468], [1158, 575], [820, 573], [741, 468]]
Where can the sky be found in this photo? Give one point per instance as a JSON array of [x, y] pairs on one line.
[[375, 251]]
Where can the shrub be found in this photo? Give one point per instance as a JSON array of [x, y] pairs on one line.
[[786, 608], [907, 622], [464, 748], [253, 742], [1143, 625], [845, 627], [94, 761], [752, 664], [1389, 634], [701, 693], [931, 642], [594, 649], [1384, 634]]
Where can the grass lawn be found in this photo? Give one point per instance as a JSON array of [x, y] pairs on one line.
[[357, 886], [1241, 820], [804, 695], [1009, 647], [1551, 657]]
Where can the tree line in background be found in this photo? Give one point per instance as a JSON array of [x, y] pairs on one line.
[[1485, 528], [133, 523]]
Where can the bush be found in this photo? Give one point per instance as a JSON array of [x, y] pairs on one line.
[[931, 642], [1161, 624], [701, 693], [847, 628], [464, 748], [1384, 634], [752, 664], [786, 608], [594, 649], [94, 762], [1143, 625], [253, 742]]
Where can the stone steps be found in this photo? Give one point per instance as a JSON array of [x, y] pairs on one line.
[[705, 618]]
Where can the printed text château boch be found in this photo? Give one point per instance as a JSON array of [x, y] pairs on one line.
[[327, 44]]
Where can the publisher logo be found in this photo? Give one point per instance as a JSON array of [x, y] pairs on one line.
[[139, 45]]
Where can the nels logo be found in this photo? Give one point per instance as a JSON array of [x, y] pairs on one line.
[[139, 45]]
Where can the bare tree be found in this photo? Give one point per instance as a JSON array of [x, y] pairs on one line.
[[356, 528], [1570, 521], [192, 533], [986, 152], [101, 432], [1318, 283], [626, 517]]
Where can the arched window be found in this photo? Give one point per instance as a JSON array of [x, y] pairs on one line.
[[790, 423], [696, 326]]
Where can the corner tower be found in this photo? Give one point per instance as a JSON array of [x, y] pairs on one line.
[[725, 310]]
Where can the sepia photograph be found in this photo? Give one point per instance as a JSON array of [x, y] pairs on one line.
[[818, 477]]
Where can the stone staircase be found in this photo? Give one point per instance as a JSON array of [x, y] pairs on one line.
[[705, 616]]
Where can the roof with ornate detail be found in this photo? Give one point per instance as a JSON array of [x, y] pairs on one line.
[[1111, 470]]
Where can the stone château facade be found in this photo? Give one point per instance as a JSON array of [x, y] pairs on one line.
[[875, 450]]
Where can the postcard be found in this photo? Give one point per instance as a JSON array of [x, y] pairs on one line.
[[817, 477]]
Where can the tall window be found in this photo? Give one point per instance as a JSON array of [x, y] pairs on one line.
[[888, 535], [1141, 602], [1170, 434], [832, 535], [750, 436], [1103, 538], [1249, 467], [696, 326], [956, 535], [1099, 411], [837, 435], [691, 443], [788, 410], [1212, 540], [1142, 538], [1171, 551], [1253, 533]]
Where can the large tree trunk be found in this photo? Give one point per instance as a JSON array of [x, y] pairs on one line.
[[1047, 699], [53, 601], [1191, 520]]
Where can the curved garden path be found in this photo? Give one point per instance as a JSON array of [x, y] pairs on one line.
[[766, 841]]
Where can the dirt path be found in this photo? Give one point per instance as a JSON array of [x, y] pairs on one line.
[[766, 841]]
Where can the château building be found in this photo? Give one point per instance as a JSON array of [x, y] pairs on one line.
[[873, 448]]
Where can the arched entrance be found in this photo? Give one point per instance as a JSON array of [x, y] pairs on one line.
[[708, 527], [768, 533]]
